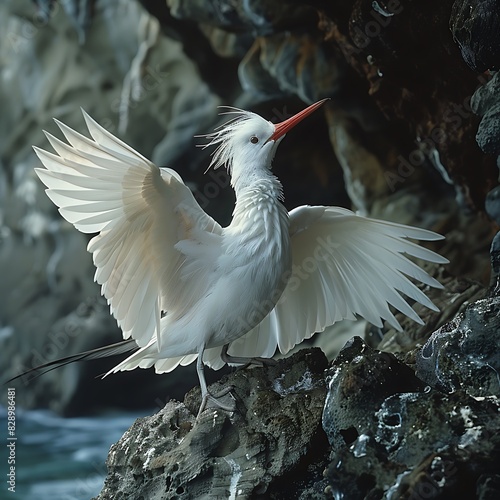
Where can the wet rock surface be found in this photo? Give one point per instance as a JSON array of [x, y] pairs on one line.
[[463, 354], [393, 436]]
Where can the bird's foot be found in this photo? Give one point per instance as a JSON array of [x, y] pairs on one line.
[[257, 361], [245, 362], [215, 401]]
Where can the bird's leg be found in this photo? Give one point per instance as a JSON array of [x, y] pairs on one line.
[[205, 394], [237, 360]]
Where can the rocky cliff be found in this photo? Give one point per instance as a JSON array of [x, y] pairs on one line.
[[410, 134]]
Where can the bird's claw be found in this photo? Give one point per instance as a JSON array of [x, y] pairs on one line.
[[261, 362], [245, 362], [214, 401]]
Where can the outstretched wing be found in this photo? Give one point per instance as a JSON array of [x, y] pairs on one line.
[[344, 265], [143, 214]]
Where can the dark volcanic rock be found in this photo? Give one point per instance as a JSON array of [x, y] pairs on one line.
[[394, 437], [274, 431], [463, 354], [488, 137], [357, 368], [476, 28], [486, 96], [492, 204], [486, 103], [495, 265]]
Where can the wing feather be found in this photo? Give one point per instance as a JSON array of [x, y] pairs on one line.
[[101, 185], [344, 266]]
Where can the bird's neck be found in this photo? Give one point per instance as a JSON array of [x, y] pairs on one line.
[[259, 212]]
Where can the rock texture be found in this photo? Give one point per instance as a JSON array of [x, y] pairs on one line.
[[454, 360], [475, 27], [274, 433], [393, 436]]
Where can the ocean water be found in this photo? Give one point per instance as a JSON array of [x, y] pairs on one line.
[[60, 458]]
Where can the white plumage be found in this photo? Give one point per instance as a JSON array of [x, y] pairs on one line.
[[182, 287]]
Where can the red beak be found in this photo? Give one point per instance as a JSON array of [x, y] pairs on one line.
[[280, 129]]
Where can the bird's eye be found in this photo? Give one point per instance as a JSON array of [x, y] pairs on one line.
[[254, 140]]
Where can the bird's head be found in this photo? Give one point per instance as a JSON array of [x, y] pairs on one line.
[[248, 142]]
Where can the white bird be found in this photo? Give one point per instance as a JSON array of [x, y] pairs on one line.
[[183, 288]]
